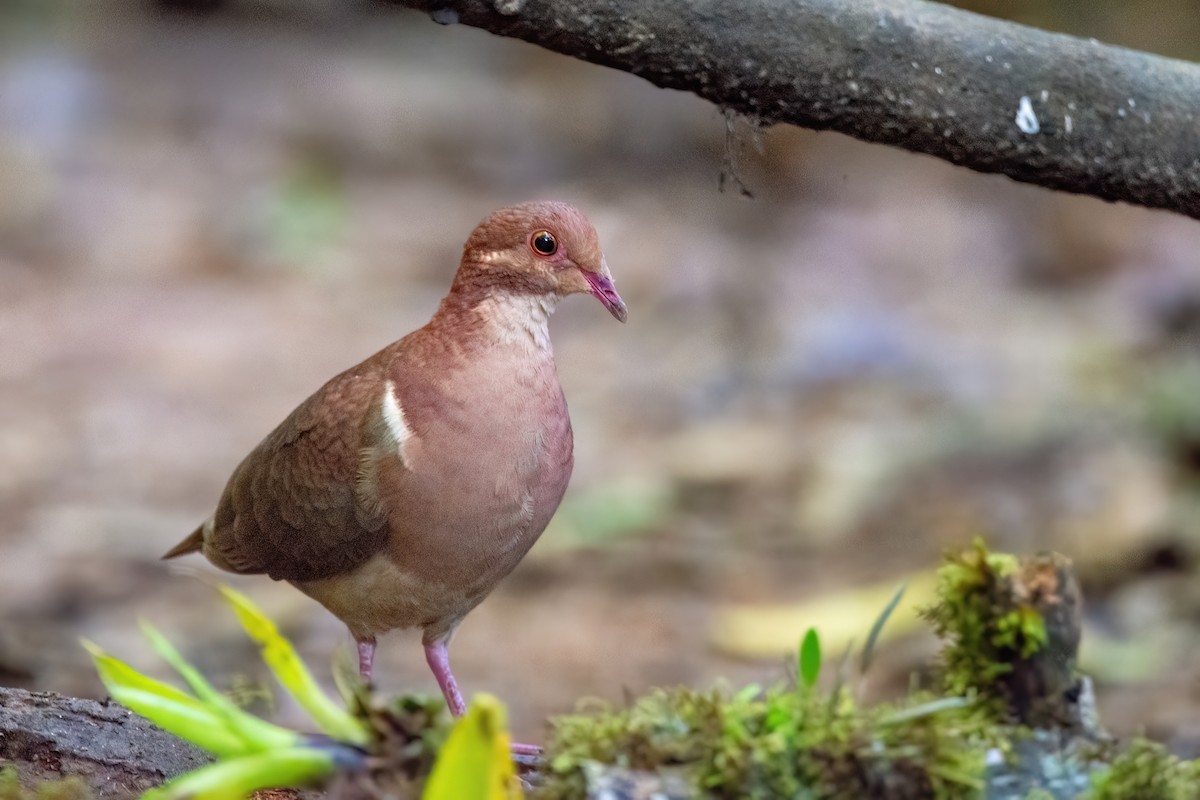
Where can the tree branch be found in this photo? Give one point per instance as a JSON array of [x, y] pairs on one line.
[[1044, 108]]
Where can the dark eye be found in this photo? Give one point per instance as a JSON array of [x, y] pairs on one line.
[[544, 242]]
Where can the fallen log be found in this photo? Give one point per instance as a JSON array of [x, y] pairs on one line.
[[117, 753]]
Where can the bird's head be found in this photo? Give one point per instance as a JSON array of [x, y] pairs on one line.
[[541, 248]]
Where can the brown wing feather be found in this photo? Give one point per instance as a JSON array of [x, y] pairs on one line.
[[295, 507]]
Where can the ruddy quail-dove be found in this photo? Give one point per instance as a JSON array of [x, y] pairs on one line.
[[403, 490]]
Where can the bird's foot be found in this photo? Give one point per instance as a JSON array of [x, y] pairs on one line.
[[531, 750], [527, 758], [526, 755]]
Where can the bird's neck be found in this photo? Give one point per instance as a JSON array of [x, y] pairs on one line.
[[519, 320], [500, 317]]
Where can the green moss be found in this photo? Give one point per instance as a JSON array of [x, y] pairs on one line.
[[781, 742], [72, 788], [802, 743], [984, 626], [1147, 771]]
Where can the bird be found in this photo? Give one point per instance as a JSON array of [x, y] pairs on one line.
[[405, 488]]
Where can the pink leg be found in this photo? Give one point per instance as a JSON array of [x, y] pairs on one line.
[[366, 658], [438, 656], [439, 661]]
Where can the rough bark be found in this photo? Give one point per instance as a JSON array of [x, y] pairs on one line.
[[1044, 108], [117, 753]]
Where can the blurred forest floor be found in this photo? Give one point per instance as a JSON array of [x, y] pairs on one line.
[[205, 215]]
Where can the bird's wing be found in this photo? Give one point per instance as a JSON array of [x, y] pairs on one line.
[[297, 508]]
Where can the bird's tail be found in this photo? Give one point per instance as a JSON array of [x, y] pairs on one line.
[[191, 544]]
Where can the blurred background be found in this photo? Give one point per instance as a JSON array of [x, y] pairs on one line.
[[208, 208]]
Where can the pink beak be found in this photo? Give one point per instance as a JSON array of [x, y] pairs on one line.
[[604, 291]]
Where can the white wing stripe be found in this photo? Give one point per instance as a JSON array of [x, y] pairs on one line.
[[393, 416]]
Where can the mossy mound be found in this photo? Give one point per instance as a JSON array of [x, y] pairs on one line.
[[1147, 771], [778, 742], [1010, 720]]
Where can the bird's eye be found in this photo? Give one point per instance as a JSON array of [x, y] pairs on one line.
[[544, 243]]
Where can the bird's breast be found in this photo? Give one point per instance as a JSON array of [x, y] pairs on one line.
[[483, 473]]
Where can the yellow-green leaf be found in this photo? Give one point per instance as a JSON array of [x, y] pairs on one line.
[[476, 763], [114, 672], [292, 674], [197, 724], [238, 778], [346, 679], [258, 734], [165, 705]]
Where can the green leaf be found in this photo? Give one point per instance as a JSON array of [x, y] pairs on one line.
[[926, 709], [747, 693], [868, 652], [347, 681], [292, 674], [238, 778], [810, 659], [475, 763], [165, 706], [197, 724], [114, 672], [256, 733], [842, 676]]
